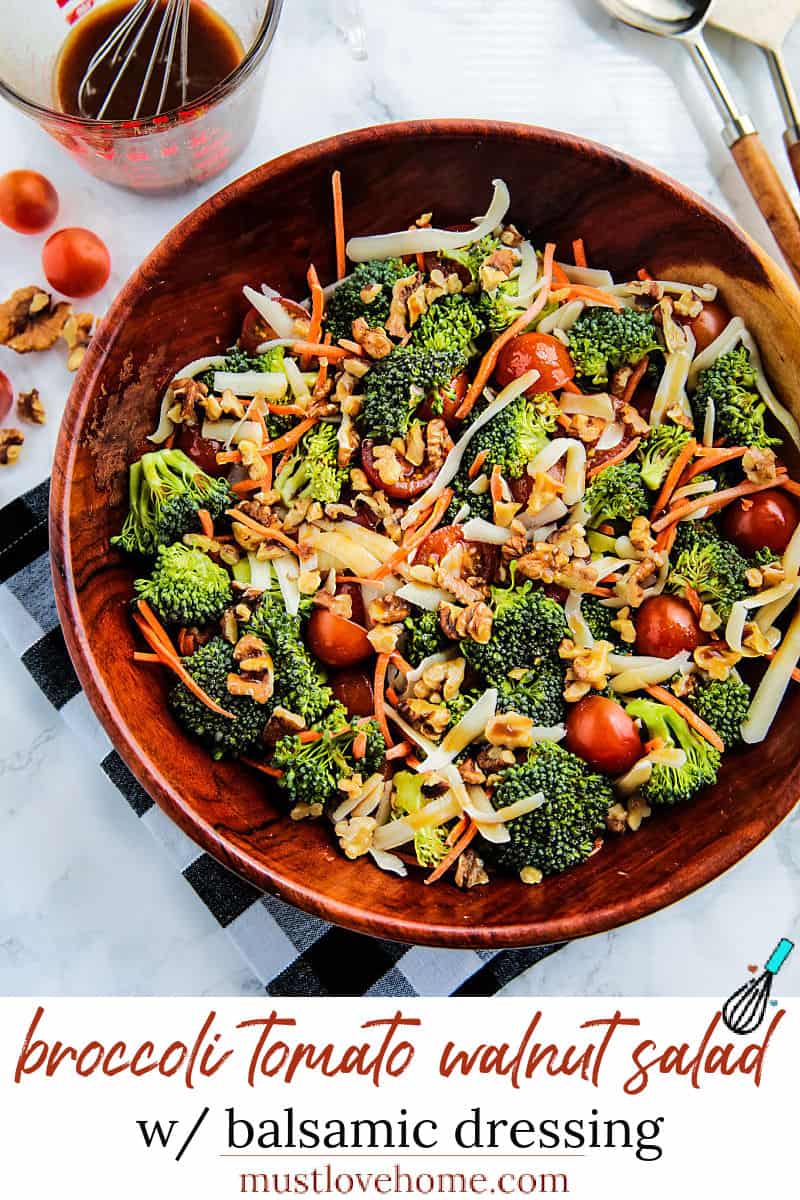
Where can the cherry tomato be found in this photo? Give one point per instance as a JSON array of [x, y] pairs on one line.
[[76, 262], [665, 625], [6, 396], [643, 399], [353, 590], [255, 329], [28, 201], [353, 688], [766, 519], [482, 559], [336, 641], [601, 732], [200, 450], [436, 544], [709, 323], [411, 484], [521, 488], [452, 396], [539, 351]]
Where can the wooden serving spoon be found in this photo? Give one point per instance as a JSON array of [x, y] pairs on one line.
[[683, 20]]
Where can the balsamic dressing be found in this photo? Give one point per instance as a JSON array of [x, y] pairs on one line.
[[214, 52]]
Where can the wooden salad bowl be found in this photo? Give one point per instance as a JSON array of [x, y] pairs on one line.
[[185, 301]]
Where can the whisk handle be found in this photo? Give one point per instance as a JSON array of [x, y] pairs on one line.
[[779, 956]]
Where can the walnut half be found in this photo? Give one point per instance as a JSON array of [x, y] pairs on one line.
[[30, 321], [11, 441], [30, 407]]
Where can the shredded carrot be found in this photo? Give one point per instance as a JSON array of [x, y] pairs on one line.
[[273, 772], [142, 657], [559, 277], [156, 637], [187, 643], [320, 350], [579, 253], [286, 410], [317, 307], [420, 258], [290, 439], [243, 487], [283, 460], [477, 463], [306, 736], [413, 762], [398, 661], [338, 223], [606, 528], [571, 387], [353, 347], [266, 482], [320, 387], [270, 531], [454, 854], [673, 475], [496, 485], [359, 745], [581, 291], [355, 579], [416, 537], [487, 363], [707, 462], [601, 591], [636, 378], [457, 830], [666, 538], [789, 485], [715, 501], [655, 743], [688, 714], [398, 751], [643, 274], [613, 459], [693, 600], [392, 696], [381, 666], [206, 524]]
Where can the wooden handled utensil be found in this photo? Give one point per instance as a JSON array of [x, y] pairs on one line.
[[767, 25], [683, 20]]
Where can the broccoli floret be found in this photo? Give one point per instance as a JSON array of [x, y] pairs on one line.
[[299, 684], [560, 833], [430, 845], [527, 626], [450, 323], [460, 704], [723, 704], [538, 693], [658, 451], [312, 770], [395, 386], [500, 308], [210, 667], [671, 785], [423, 636], [186, 586], [346, 305], [474, 255], [599, 619], [739, 411], [166, 491], [602, 339], [705, 561], [312, 471], [516, 434], [616, 494]]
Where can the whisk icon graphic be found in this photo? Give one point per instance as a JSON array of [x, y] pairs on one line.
[[744, 1011]]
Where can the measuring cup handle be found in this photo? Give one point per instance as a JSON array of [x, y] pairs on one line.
[[766, 187]]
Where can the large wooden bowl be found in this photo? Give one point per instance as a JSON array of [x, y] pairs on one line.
[[185, 300]]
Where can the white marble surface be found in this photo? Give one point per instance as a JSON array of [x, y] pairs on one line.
[[88, 903]]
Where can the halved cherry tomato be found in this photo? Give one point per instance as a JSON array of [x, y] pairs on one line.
[[452, 396], [521, 488], [436, 544], [353, 590], [535, 351], [76, 262], [482, 559], [665, 625], [336, 641], [28, 201], [6, 396], [200, 450], [256, 330], [352, 687], [766, 519], [601, 732], [411, 483], [709, 323]]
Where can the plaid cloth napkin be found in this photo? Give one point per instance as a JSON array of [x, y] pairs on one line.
[[293, 954]]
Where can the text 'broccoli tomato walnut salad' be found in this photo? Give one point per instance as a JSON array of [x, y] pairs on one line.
[[469, 550]]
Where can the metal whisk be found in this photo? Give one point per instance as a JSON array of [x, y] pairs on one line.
[[171, 45], [744, 1011]]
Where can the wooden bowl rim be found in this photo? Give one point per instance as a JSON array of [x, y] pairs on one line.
[[568, 927]]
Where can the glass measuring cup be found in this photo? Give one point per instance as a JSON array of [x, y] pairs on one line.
[[160, 154]]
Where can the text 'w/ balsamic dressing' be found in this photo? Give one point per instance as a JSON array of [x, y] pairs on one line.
[[214, 51]]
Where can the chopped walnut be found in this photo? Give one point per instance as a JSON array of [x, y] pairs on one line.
[[624, 626], [417, 304], [282, 723], [709, 619], [438, 441], [30, 407], [387, 464], [370, 293], [492, 759], [674, 335], [633, 421], [511, 236], [717, 659], [396, 324], [303, 812], [510, 729], [679, 416], [384, 638], [753, 577], [773, 573], [11, 442], [463, 592], [760, 466], [651, 289], [77, 333], [474, 621], [563, 559], [641, 535], [631, 589], [617, 818], [470, 871], [308, 582], [545, 490], [30, 321], [359, 481], [355, 835], [259, 690], [531, 875], [374, 342], [753, 639], [431, 719], [469, 772], [588, 668], [341, 605], [248, 646], [638, 811], [415, 445], [688, 305], [187, 394], [231, 405], [388, 608], [440, 681], [587, 428]]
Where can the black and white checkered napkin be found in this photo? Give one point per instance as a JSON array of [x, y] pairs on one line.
[[293, 954]]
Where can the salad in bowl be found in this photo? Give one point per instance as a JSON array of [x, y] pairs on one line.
[[478, 554]]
